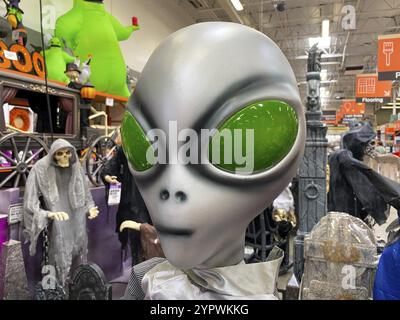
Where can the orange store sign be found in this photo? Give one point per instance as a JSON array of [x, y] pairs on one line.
[[352, 107], [370, 90], [389, 130], [350, 110], [389, 57]]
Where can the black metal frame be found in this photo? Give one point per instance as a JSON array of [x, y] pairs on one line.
[[260, 236], [36, 85]]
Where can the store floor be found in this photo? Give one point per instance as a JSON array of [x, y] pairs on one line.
[[119, 284]]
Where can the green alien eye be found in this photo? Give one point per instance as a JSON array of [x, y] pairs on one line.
[[135, 143], [256, 138]]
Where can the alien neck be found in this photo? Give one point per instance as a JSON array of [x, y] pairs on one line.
[[230, 255]]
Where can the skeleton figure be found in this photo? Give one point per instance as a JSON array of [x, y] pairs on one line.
[[236, 78], [57, 197], [63, 157], [354, 187]]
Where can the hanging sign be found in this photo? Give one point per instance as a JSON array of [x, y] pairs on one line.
[[351, 110], [370, 90], [329, 117], [389, 57]]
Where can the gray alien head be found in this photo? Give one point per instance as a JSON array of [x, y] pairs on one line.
[[200, 77]]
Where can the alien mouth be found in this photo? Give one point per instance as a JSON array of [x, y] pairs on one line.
[[174, 231]]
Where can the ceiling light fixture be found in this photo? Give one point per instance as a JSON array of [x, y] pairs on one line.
[[323, 43], [324, 74], [237, 4], [325, 28], [391, 107]]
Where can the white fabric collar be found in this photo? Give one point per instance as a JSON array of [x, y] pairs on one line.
[[255, 281]]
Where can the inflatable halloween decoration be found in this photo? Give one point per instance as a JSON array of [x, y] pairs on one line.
[[14, 13], [14, 17], [89, 29], [26, 62], [192, 196], [56, 61]]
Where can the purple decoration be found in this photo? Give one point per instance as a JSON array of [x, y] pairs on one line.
[[8, 197], [3, 161], [3, 230], [104, 246]]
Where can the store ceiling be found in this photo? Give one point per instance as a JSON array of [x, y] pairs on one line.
[[302, 19]]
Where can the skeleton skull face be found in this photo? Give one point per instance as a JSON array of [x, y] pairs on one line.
[[211, 76], [63, 157]]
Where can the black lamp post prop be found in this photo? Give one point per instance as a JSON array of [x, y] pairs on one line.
[[312, 203]]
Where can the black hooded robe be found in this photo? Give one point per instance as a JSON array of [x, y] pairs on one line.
[[131, 206], [354, 187]]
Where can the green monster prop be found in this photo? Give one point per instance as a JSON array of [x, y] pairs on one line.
[[14, 17], [56, 61], [89, 29], [14, 13]]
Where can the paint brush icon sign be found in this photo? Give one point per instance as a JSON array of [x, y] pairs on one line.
[[388, 49]]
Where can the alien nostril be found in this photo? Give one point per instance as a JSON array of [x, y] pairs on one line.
[[164, 195], [180, 196]]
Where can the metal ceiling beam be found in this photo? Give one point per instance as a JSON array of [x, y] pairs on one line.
[[375, 31], [302, 20], [266, 2], [310, 22], [324, 56]]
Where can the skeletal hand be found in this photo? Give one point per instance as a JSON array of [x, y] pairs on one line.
[[111, 179], [93, 213], [58, 216], [129, 225], [133, 225]]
